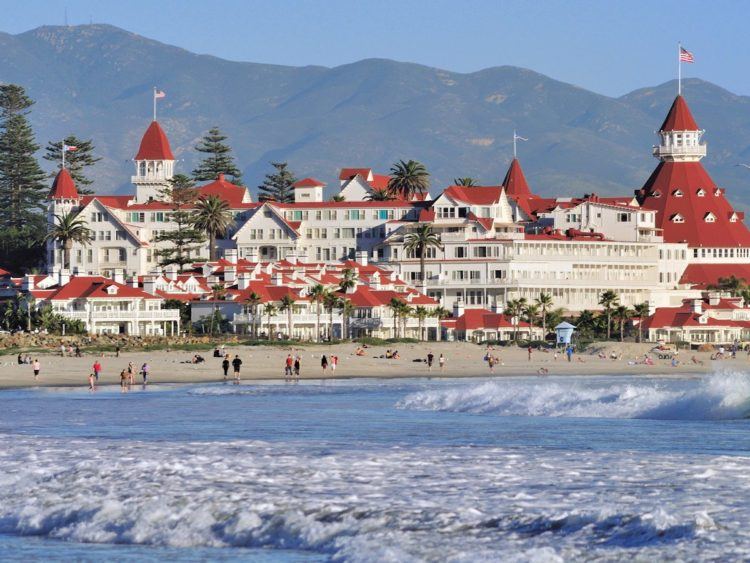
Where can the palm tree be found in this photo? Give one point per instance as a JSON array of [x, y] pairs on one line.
[[379, 195], [421, 313], [532, 313], [330, 302], [408, 179], [253, 300], [348, 280], [622, 313], [513, 309], [395, 306], [732, 284], [287, 304], [405, 311], [467, 181], [338, 198], [609, 300], [270, 310], [641, 311], [440, 313], [68, 229], [544, 302], [586, 322], [213, 216], [317, 294], [347, 309], [419, 242]]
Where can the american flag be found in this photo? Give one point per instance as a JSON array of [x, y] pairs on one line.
[[69, 148], [686, 56], [161, 94]]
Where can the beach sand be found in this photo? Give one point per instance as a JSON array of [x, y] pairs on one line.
[[267, 362]]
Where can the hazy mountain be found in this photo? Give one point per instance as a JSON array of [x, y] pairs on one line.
[[95, 81]]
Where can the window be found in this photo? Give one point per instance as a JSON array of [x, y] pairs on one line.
[[677, 193], [136, 217], [624, 217], [677, 218], [462, 252], [573, 218], [701, 192], [446, 212], [710, 218]]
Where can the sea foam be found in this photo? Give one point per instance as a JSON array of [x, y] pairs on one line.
[[723, 395]]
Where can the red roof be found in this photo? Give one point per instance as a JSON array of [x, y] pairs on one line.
[[515, 181], [479, 319], [154, 145], [63, 187], [224, 190], [117, 201], [703, 275], [683, 316], [95, 287], [379, 181], [679, 117], [683, 195], [347, 173], [476, 195], [308, 183]]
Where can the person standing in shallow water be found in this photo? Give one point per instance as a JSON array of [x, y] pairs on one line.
[[236, 364], [324, 364], [144, 372], [297, 365], [430, 359]]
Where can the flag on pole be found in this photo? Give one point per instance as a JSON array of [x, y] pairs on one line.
[[161, 94], [686, 56], [69, 148]]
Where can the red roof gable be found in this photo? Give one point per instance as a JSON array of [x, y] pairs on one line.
[[515, 181], [703, 275], [347, 173], [154, 145], [679, 117], [478, 319], [63, 187], [95, 287], [224, 190], [476, 195], [686, 190], [308, 183]]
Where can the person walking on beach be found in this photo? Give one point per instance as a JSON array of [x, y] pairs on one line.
[[92, 385], [297, 364], [441, 362], [123, 381], [97, 367], [491, 363], [225, 365], [324, 364], [430, 359], [530, 349], [131, 373], [37, 367], [62, 350], [117, 351], [569, 352], [288, 363], [144, 372], [334, 363], [236, 364]]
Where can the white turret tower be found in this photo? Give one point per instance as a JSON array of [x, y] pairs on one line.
[[154, 164], [680, 136]]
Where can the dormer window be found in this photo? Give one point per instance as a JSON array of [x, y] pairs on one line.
[[112, 290], [677, 193], [717, 192], [677, 218], [657, 193], [733, 218], [709, 218], [701, 192]]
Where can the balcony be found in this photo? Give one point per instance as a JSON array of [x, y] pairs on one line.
[[680, 153], [159, 314]]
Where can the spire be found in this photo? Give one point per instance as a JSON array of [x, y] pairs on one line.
[[63, 187], [154, 145], [679, 117], [515, 182]]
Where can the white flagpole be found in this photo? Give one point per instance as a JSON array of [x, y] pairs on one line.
[[62, 150], [514, 143], [679, 69], [154, 103]]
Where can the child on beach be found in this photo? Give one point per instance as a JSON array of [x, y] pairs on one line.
[[324, 364], [144, 372], [123, 381], [92, 386], [441, 362], [225, 365], [131, 373], [37, 367], [334, 363]]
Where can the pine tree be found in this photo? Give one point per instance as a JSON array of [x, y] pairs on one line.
[[75, 161], [22, 187], [184, 240], [278, 186], [219, 159]]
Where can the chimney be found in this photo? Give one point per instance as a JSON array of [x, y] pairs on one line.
[[118, 276], [698, 306], [63, 278], [458, 307], [134, 282], [243, 280], [149, 284], [171, 272], [230, 274], [361, 257], [28, 283], [230, 255], [713, 298]]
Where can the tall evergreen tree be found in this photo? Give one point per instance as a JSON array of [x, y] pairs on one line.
[[22, 186], [184, 240], [278, 186], [75, 161], [218, 159]]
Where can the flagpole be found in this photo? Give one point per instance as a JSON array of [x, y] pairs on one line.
[[62, 150], [679, 69], [514, 143], [154, 94]]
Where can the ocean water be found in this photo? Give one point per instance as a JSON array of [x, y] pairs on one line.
[[517, 469]]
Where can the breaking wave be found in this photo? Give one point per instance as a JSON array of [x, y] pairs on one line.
[[715, 397]]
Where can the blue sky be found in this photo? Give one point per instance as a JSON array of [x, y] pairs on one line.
[[606, 46]]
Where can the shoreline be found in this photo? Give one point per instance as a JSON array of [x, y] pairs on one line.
[[266, 364]]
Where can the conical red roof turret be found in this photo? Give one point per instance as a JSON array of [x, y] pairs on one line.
[[679, 117], [154, 145], [63, 187], [515, 182]]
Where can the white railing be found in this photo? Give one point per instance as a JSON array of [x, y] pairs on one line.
[[159, 314], [242, 318], [695, 150]]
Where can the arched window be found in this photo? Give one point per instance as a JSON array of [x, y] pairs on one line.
[[142, 168]]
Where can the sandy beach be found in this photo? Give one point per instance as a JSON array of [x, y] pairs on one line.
[[267, 362]]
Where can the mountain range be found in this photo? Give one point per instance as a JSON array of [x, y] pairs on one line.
[[95, 81]]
